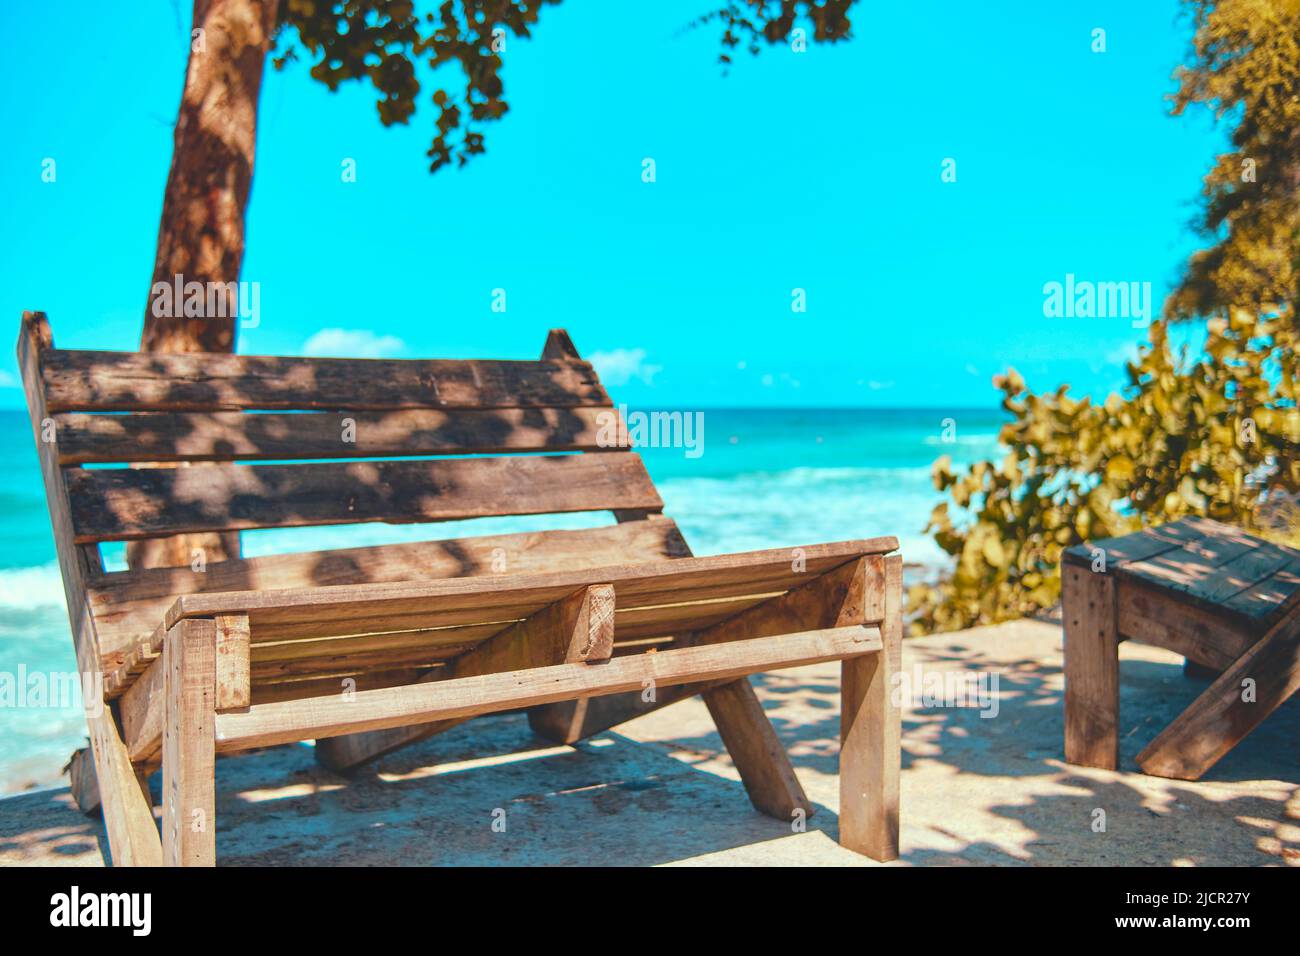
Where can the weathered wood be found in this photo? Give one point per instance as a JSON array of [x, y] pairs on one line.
[[1153, 616], [115, 504], [559, 346], [409, 607], [755, 749], [579, 628], [238, 436], [143, 709], [81, 780], [471, 696], [1271, 598], [1220, 718], [129, 605], [871, 730], [233, 678], [1088, 603], [263, 655], [205, 382], [826, 590], [1208, 565], [128, 818], [686, 579], [189, 755]]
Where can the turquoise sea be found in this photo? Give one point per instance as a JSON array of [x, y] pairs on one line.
[[765, 478]]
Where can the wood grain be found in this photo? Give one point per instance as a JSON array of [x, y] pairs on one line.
[[117, 504], [1220, 718], [271, 724], [128, 817], [189, 755], [1088, 604], [239, 436], [871, 730], [579, 628], [205, 382]]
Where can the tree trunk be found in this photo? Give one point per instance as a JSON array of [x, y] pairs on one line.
[[201, 235]]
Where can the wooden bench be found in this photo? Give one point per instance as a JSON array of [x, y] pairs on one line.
[[1225, 600], [367, 649]]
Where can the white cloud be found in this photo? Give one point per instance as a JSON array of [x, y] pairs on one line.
[[620, 366], [353, 343], [878, 386]]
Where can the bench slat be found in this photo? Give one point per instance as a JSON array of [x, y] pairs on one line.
[[129, 605], [239, 436], [78, 380], [271, 724], [118, 504]]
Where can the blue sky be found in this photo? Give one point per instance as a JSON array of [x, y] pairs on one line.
[[818, 171]]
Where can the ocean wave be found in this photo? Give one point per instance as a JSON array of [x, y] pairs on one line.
[[33, 588]]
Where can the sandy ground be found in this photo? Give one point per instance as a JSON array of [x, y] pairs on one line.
[[661, 790]]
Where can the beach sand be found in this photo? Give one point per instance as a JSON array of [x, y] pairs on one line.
[[661, 790]]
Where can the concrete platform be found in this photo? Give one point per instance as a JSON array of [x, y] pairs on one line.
[[975, 790]]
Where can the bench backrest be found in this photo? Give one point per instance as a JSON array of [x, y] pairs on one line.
[[367, 440], [213, 410]]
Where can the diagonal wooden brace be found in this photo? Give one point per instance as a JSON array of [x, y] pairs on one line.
[[1226, 712], [853, 593], [579, 628]]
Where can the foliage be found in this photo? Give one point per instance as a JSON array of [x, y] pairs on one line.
[[1246, 67], [1214, 433], [387, 42]]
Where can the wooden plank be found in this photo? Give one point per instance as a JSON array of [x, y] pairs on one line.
[[128, 818], [811, 603], [355, 662], [325, 686], [579, 628], [1137, 546], [559, 346], [1154, 616], [239, 436], [234, 681], [189, 757], [569, 721], [637, 585], [1270, 598], [204, 382], [1088, 602], [1220, 718], [116, 504], [1195, 564], [143, 709], [81, 780], [129, 605], [337, 611], [491, 693], [757, 752], [871, 734], [1244, 572]]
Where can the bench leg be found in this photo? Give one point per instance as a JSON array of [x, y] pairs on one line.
[[1091, 668], [1219, 719], [569, 721], [128, 814], [756, 751], [871, 736], [189, 745]]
